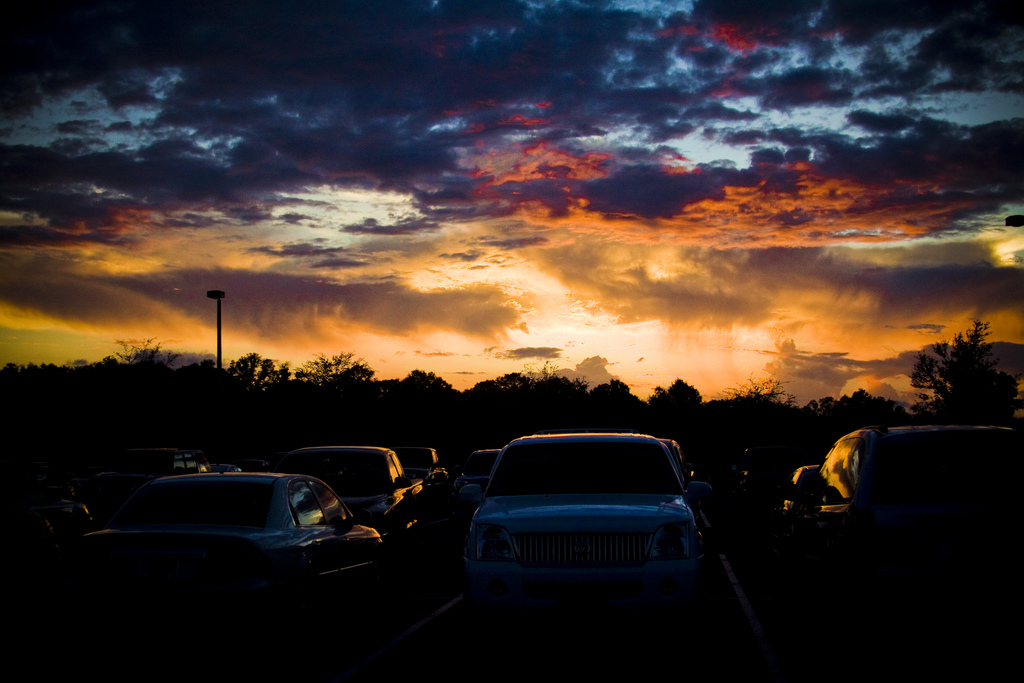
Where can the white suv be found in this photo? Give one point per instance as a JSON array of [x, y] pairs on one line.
[[600, 519]]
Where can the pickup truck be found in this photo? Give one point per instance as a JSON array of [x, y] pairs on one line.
[[366, 478]]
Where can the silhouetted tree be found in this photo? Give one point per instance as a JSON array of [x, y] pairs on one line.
[[768, 391], [140, 351], [613, 404], [336, 372], [834, 417], [256, 373], [679, 396], [673, 412], [961, 383]]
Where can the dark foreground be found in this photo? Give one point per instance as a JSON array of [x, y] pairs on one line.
[[757, 622]]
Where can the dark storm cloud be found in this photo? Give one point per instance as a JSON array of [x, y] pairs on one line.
[[325, 256], [649, 192], [267, 305], [510, 244], [528, 353], [407, 226], [740, 287]]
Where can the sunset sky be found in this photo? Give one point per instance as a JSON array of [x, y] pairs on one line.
[[810, 190]]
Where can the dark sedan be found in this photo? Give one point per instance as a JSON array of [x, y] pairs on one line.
[[234, 532]]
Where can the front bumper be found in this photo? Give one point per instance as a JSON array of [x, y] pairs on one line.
[[511, 586]]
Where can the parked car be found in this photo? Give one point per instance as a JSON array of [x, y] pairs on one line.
[[252, 464], [32, 486], [229, 533], [477, 470], [679, 460], [419, 462], [422, 463], [107, 490], [798, 499], [599, 518], [914, 501], [366, 478], [763, 469]]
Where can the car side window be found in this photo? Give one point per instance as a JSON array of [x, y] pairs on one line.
[[306, 510], [840, 471], [330, 503], [393, 466]]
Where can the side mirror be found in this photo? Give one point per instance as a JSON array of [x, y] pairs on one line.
[[362, 517], [471, 493], [698, 491]]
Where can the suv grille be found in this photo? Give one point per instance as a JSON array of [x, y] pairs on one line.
[[569, 548]]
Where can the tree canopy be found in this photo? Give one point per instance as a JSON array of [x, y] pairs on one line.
[[960, 381]]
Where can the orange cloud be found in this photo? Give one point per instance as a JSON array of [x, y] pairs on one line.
[[732, 37], [520, 120], [538, 162]]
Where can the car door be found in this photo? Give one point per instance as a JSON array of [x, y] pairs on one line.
[[839, 475], [349, 550]]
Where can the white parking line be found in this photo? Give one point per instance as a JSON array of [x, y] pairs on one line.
[[394, 642], [755, 624]]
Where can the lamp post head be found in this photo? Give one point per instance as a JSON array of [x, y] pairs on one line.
[[215, 294], [1015, 221]]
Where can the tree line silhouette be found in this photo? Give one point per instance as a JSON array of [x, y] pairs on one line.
[[78, 415]]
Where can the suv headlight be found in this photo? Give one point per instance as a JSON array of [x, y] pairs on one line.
[[671, 542], [493, 543]]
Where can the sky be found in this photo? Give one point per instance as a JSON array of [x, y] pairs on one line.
[[811, 191]]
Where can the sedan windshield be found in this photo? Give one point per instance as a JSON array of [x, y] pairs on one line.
[[226, 503], [583, 467]]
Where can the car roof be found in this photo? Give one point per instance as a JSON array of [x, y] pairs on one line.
[[251, 477], [910, 431], [588, 437], [339, 449], [587, 430]]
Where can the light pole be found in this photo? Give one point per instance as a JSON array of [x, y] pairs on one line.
[[218, 295]]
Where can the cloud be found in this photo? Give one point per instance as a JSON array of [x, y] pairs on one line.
[[271, 306], [723, 288], [719, 166], [592, 370], [528, 353]]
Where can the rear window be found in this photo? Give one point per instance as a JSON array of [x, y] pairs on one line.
[[224, 503], [420, 458], [480, 464], [348, 473], [942, 467], [601, 467]]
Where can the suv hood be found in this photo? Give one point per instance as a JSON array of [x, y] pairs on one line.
[[583, 512]]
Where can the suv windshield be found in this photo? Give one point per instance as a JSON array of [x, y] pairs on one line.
[[583, 467]]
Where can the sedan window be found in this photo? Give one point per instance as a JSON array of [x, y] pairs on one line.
[[305, 508], [329, 502]]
